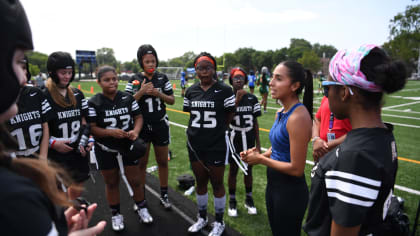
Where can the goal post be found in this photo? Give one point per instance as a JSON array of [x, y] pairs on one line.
[[173, 73]]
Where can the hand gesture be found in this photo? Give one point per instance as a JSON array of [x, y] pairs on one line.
[[119, 133], [61, 146], [77, 222]]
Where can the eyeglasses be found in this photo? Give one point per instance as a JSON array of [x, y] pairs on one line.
[[326, 84], [237, 78], [204, 68]]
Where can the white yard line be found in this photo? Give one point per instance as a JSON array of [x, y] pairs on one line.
[[402, 188], [400, 105]]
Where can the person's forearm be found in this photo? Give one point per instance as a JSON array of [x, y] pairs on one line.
[[168, 99], [98, 132], [43, 148], [138, 124], [315, 128], [335, 142]]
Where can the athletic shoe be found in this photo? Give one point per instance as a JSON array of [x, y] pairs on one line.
[[232, 211], [165, 202], [135, 208], [145, 216], [218, 229], [197, 226], [249, 204], [117, 222]]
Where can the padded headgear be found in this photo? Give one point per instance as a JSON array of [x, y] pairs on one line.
[[144, 50], [232, 72], [60, 60], [15, 33], [136, 150], [185, 181]]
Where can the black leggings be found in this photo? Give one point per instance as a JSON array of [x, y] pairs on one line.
[[286, 200]]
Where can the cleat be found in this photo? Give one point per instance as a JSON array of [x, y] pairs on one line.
[[249, 204], [145, 216], [232, 211], [117, 222], [165, 202], [135, 208], [197, 226], [218, 229]]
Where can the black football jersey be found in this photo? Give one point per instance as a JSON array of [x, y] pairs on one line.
[[247, 111], [68, 120], [26, 125], [208, 110], [113, 114], [353, 183], [153, 108]]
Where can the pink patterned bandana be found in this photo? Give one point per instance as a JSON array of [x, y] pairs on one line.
[[345, 68]]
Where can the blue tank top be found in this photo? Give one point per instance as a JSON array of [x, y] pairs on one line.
[[279, 137]]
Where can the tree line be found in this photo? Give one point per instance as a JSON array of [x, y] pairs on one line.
[[403, 44]]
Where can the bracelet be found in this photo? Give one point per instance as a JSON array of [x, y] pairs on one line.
[[53, 142], [314, 138]]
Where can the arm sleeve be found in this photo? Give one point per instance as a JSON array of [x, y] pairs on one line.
[[47, 112], [229, 101], [135, 108], [187, 102], [92, 116], [129, 86], [353, 187], [256, 107], [168, 86]]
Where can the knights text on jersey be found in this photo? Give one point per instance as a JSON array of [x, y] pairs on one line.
[[113, 114], [247, 110], [153, 108], [68, 120], [26, 125], [353, 183], [208, 110]]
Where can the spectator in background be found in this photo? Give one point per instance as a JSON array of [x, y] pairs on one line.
[[39, 81], [251, 81], [263, 83], [183, 83], [327, 131]]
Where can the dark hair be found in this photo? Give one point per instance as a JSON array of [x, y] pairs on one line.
[[28, 73], [103, 69], [146, 49], [390, 75], [298, 74]]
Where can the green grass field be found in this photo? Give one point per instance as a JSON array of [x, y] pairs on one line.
[[400, 108]]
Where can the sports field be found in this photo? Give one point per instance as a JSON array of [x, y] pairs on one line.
[[401, 109]]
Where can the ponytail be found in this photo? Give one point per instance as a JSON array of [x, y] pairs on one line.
[[308, 94]]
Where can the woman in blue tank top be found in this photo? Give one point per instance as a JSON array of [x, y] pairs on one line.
[[287, 193]]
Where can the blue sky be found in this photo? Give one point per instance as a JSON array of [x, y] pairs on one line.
[[216, 26]]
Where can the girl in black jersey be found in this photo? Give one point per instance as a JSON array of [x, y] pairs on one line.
[[30, 126], [116, 121], [71, 108], [154, 91], [211, 105], [244, 134], [352, 185], [27, 185]]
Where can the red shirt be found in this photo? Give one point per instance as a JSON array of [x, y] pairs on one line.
[[340, 127]]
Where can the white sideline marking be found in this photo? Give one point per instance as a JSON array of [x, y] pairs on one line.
[[402, 188], [405, 117], [400, 105]]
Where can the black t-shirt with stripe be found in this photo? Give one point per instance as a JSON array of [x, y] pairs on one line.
[[153, 108], [113, 114], [26, 125], [247, 111], [353, 183], [68, 120], [208, 110]]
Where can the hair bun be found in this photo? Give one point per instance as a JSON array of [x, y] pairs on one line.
[[391, 76]]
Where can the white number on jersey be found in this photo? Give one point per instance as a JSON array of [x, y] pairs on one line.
[[75, 127], [150, 104], [35, 133], [209, 120], [113, 122]]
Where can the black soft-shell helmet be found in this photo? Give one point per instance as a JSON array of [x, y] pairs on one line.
[[59, 60], [15, 33]]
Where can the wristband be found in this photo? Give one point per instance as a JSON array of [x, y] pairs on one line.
[[314, 138], [53, 142]]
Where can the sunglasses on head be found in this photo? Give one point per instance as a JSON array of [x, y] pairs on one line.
[[326, 84]]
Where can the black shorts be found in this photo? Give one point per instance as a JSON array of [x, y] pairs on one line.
[[209, 158], [238, 143], [251, 86], [157, 133], [75, 165], [108, 160]]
